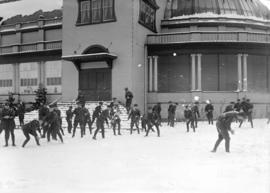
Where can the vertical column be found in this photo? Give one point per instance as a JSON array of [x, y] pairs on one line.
[[15, 79], [150, 74], [239, 70], [42, 73], [245, 85], [193, 72], [199, 72], [155, 73]]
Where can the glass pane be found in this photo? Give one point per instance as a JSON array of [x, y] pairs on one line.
[[228, 72], [257, 73], [96, 11], [85, 11], [210, 72], [107, 9]]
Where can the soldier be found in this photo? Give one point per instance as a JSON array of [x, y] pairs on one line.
[[102, 117], [229, 107], [152, 120], [43, 111], [237, 106], [86, 119], [80, 98], [189, 118], [78, 119], [171, 113], [224, 126], [21, 112], [31, 128], [8, 123], [157, 110], [128, 97], [134, 115], [209, 108], [69, 116], [96, 112], [195, 113], [247, 107], [58, 112], [115, 121], [52, 123]]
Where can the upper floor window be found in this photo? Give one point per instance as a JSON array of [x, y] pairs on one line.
[[95, 11], [148, 14]]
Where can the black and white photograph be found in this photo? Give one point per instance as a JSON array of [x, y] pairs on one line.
[[134, 96]]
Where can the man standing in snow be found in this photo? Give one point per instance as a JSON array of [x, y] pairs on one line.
[[189, 118], [224, 127], [209, 108], [128, 97], [69, 116], [196, 113], [134, 115], [8, 123]]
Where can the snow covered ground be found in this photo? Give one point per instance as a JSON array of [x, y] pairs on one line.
[[175, 162]]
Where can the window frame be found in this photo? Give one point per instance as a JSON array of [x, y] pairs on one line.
[[145, 3], [101, 11]]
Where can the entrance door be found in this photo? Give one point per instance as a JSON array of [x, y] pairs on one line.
[[95, 84]]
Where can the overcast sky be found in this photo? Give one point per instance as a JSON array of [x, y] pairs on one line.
[[26, 7]]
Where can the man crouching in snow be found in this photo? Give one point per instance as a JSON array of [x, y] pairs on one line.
[[31, 128], [224, 126]]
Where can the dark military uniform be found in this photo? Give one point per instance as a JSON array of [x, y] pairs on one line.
[[69, 116], [31, 128], [51, 122], [134, 115], [58, 112], [209, 108], [101, 119], [223, 127], [116, 121], [152, 120], [79, 119], [237, 106], [157, 110], [87, 119], [229, 107], [21, 112], [43, 112], [96, 113], [195, 114], [171, 114], [189, 119], [8, 124], [129, 97], [247, 107]]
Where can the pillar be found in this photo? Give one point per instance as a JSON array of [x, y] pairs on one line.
[[239, 70], [150, 74], [199, 72], [245, 85], [193, 72], [155, 73]]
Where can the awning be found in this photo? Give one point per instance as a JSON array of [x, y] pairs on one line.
[[78, 59]]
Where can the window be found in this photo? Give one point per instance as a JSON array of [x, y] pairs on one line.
[[148, 14], [174, 73], [95, 11], [53, 71], [54, 81], [28, 77], [5, 83], [29, 82], [219, 72]]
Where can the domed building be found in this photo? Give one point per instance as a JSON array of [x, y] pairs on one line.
[[213, 49]]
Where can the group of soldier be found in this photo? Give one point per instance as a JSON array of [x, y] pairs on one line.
[[49, 123]]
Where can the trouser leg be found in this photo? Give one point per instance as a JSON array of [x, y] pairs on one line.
[[12, 136], [220, 138], [75, 127], [27, 138]]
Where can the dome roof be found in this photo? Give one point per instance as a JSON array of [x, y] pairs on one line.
[[246, 8]]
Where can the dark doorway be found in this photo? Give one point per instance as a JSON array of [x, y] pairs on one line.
[[95, 84]]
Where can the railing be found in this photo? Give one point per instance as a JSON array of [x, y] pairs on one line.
[[189, 37], [8, 27], [28, 47], [6, 49], [53, 21], [53, 45], [29, 24]]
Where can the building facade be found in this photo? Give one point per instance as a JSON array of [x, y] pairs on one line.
[[30, 55], [162, 50]]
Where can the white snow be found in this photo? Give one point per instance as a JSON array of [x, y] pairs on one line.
[[175, 162]]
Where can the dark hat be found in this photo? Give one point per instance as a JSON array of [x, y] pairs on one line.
[[232, 102], [70, 107], [196, 102], [170, 102], [53, 105], [100, 103], [135, 105], [238, 100]]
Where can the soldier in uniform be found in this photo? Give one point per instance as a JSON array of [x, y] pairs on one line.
[[171, 113], [31, 128], [189, 118], [209, 108], [128, 97], [96, 112], [247, 108], [157, 110], [43, 111], [78, 119], [196, 113], [115, 120], [52, 123], [152, 120], [134, 115], [58, 112], [8, 123], [21, 112], [69, 116], [237, 106], [229, 107], [224, 127], [86, 119], [102, 117]]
